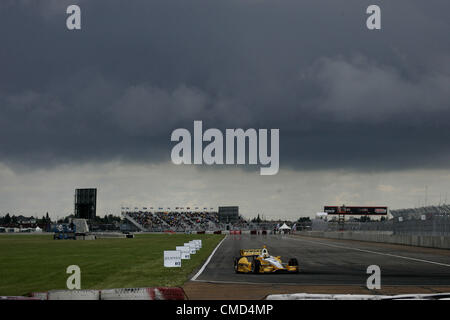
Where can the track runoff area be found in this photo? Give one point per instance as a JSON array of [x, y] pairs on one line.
[[326, 266]]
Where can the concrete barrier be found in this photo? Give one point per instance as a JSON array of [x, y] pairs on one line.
[[86, 237], [172, 293], [160, 293], [107, 235], [384, 237], [157, 293], [40, 295], [17, 298], [308, 296], [74, 295]]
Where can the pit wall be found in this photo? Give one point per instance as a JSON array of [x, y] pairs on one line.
[[384, 237]]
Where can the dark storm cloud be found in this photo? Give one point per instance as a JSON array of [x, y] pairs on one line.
[[341, 95]]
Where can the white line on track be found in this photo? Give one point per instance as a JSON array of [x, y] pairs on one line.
[[194, 278], [374, 252]]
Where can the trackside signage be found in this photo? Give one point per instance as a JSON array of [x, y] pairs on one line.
[[185, 252], [199, 243], [172, 258], [191, 247], [195, 244], [350, 210]]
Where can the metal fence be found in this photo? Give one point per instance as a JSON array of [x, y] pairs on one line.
[[436, 226]]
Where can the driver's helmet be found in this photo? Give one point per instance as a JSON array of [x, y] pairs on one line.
[[264, 252]]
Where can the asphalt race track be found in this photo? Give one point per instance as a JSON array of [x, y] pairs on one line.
[[332, 262]]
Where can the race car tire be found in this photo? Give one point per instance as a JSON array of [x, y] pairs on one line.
[[293, 262], [236, 261], [256, 265]]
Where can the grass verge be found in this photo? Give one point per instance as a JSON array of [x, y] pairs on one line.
[[30, 263]]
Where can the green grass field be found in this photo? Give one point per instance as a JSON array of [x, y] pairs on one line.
[[30, 263]]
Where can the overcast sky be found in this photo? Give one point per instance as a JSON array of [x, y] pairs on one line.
[[363, 115]]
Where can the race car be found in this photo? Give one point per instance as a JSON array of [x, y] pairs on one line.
[[259, 261]]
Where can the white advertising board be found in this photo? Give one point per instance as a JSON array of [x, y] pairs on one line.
[[199, 243], [195, 244], [185, 252], [191, 247], [172, 258]]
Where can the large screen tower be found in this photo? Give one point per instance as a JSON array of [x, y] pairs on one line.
[[85, 203], [228, 214]]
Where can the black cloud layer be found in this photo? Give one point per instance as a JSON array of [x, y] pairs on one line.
[[342, 96]]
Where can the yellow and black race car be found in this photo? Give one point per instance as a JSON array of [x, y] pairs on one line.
[[259, 261]]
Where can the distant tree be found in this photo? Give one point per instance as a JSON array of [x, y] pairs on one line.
[[66, 219], [7, 219], [257, 219], [364, 219]]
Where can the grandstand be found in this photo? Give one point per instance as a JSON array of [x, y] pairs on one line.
[[180, 221], [419, 213], [430, 221]]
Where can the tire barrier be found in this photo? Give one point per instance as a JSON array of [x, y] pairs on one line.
[[235, 232], [218, 232]]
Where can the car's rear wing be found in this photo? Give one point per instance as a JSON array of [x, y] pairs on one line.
[[250, 252]]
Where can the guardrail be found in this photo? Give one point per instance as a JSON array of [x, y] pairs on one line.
[[440, 242]]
